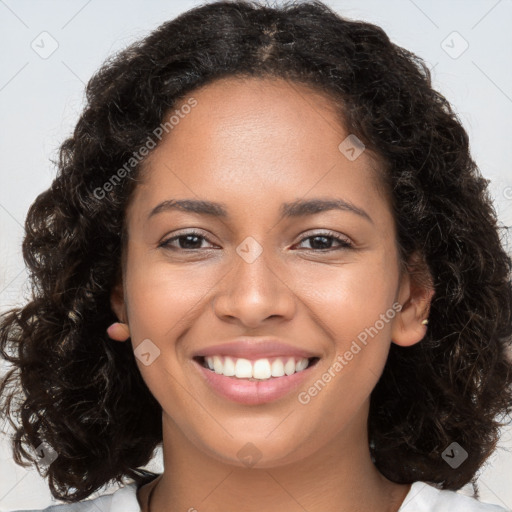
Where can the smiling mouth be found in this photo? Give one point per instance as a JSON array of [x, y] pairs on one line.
[[255, 370]]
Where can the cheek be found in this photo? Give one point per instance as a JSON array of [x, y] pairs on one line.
[[163, 297], [349, 298], [163, 304], [354, 307]]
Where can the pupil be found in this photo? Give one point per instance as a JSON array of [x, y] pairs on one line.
[[324, 238], [187, 238]]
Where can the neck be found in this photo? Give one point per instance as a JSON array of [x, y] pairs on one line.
[[338, 476]]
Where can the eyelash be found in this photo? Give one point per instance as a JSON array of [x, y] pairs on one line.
[[344, 244]]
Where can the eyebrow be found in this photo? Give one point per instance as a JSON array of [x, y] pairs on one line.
[[298, 208]]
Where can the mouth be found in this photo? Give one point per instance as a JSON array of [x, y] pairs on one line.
[[254, 381], [255, 370]]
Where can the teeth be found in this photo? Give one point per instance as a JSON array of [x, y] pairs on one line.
[[261, 369], [289, 367], [277, 368], [301, 365], [229, 367], [217, 364], [243, 369]]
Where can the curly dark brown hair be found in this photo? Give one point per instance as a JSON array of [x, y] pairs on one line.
[[83, 394]]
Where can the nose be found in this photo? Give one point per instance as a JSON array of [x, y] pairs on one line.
[[254, 292]]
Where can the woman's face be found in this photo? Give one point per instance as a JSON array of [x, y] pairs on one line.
[[269, 268]]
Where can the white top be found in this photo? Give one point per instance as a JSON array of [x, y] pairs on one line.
[[421, 497]]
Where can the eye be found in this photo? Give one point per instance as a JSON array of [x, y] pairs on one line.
[[323, 241], [189, 241]]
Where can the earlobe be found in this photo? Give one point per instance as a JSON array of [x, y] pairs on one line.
[[409, 326], [118, 331]]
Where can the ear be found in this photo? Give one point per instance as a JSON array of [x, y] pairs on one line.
[[415, 294], [117, 302]]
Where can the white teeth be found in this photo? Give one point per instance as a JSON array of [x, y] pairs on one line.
[[229, 367], [277, 368], [243, 369], [261, 369], [289, 367], [217, 364], [301, 365]]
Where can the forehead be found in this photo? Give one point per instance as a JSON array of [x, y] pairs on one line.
[[254, 140]]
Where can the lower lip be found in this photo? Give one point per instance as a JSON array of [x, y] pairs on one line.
[[253, 392]]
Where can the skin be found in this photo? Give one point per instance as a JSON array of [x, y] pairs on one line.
[[254, 144]]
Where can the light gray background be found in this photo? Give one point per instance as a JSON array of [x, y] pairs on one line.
[[41, 98]]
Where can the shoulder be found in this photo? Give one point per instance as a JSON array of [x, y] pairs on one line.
[[423, 497], [122, 500]]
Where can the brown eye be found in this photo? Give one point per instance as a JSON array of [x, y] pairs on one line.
[[186, 241], [323, 242]]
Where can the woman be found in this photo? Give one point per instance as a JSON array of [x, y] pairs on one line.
[[279, 220]]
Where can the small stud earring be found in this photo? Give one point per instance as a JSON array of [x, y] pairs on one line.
[[425, 322], [119, 331]]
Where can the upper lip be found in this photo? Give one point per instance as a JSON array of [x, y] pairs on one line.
[[255, 348]]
